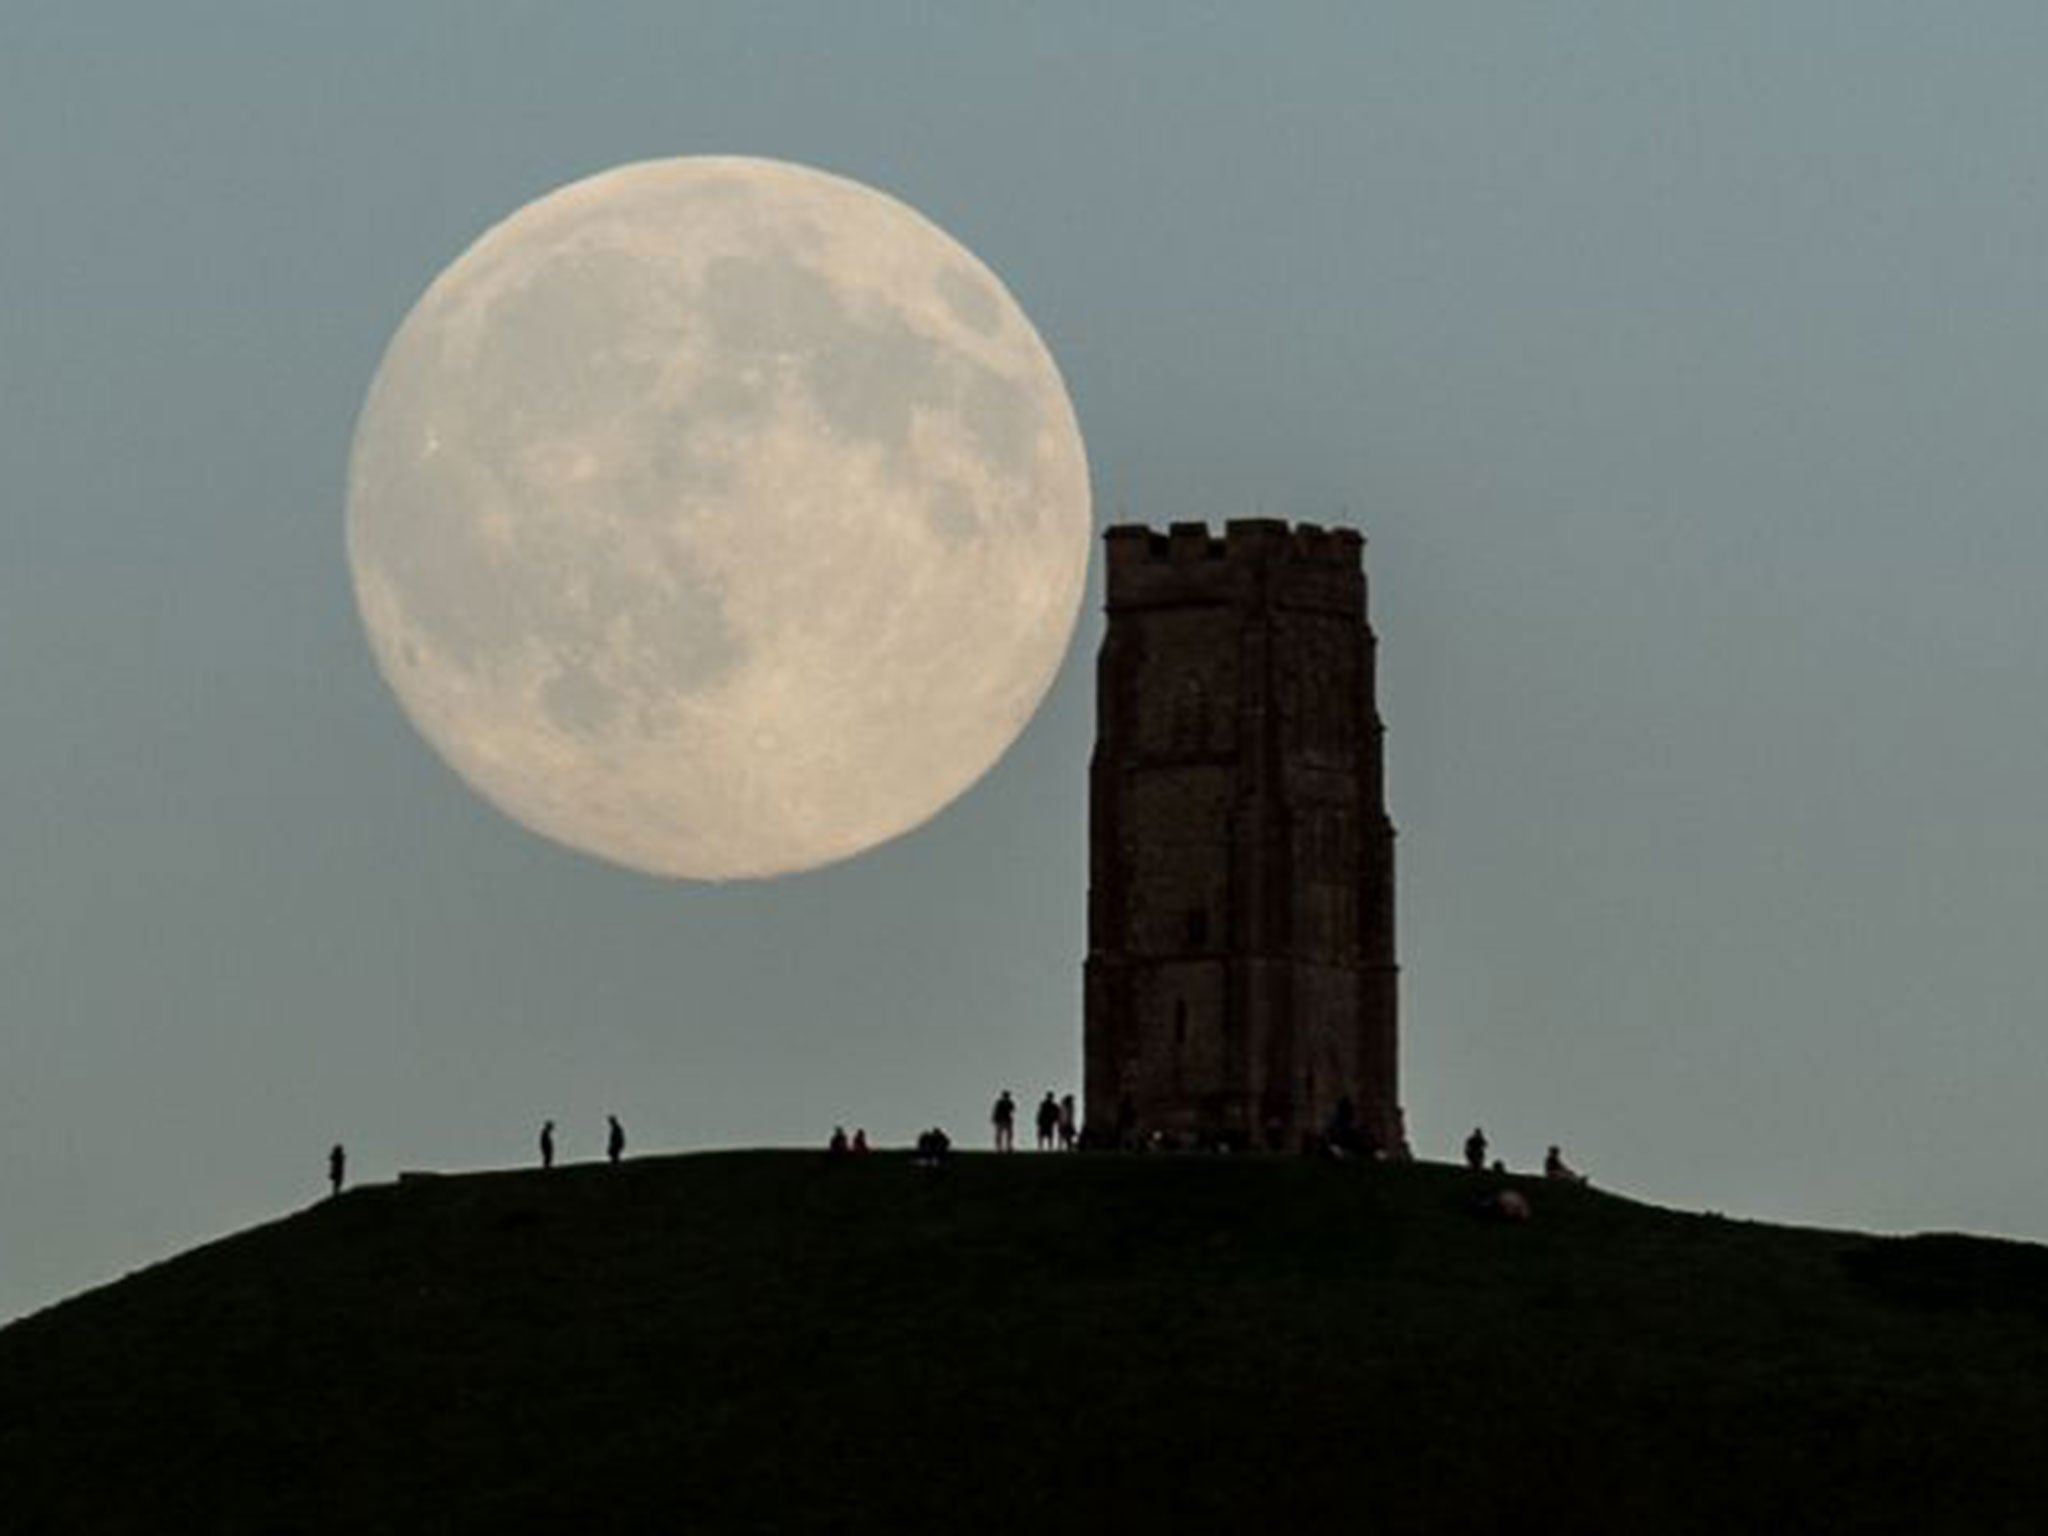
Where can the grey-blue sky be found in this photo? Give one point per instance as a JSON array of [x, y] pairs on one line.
[[1685, 366]]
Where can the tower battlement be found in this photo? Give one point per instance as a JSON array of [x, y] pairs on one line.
[[1241, 977], [1255, 560]]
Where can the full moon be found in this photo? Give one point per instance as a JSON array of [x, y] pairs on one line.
[[718, 517]]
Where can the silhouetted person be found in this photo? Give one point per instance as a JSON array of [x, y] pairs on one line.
[[547, 1144], [1475, 1150], [1048, 1121], [1554, 1167], [1069, 1132], [1004, 1118], [838, 1145], [337, 1168], [860, 1140], [615, 1140]]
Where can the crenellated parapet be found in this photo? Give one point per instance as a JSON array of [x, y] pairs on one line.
[[1256, 561]]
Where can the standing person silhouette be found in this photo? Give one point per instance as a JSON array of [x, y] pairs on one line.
[[547, 1144], [615, 1141], [1004, 1118], [337, 1167], [1475, 1149], [1048, 1121]]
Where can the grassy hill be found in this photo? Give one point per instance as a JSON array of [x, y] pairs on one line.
[[782, 1342]]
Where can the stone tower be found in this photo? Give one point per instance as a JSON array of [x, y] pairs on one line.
[[1240, 980]]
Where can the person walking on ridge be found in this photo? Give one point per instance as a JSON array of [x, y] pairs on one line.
[[547, 1144], [615, 1140], [337, 1166]]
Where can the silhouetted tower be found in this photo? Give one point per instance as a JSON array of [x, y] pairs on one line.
[[1240, 978]]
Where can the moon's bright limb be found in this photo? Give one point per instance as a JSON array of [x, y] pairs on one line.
[[718, 516]]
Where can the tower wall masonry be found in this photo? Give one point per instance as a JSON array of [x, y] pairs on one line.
[[1241, 981]]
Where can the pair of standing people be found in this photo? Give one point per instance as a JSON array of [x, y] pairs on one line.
[[614, 1141], [1056, 1123]]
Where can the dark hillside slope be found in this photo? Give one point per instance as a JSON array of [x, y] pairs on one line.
[[775, 1341]]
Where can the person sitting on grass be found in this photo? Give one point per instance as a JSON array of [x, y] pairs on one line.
[[1555, 1167], [932, 1146]]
